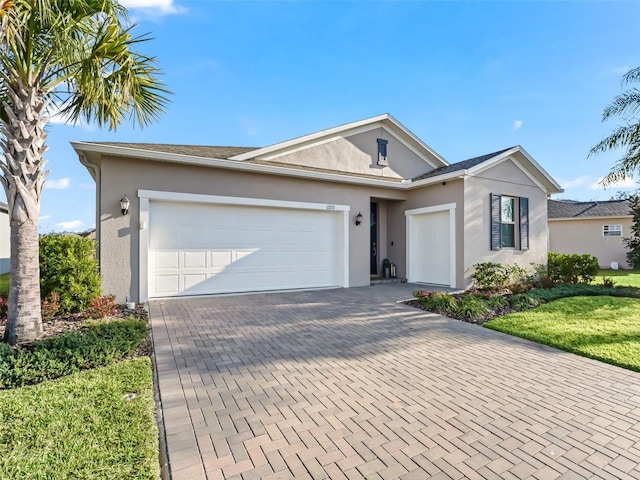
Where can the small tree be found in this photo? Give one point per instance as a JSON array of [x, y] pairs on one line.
[[633, 242]]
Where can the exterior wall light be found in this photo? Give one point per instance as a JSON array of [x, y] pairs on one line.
[[124, 205], [359, 218]]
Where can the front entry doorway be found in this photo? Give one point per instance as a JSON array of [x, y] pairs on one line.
[[374, 238]]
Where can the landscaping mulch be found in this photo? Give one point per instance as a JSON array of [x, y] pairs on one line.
[[62, 324], [495, 313]]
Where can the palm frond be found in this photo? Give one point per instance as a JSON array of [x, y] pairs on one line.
[[626, 105]]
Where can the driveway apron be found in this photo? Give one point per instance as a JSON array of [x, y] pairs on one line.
[[349, 384]]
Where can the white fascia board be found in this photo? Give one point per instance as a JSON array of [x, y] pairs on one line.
[[573, 219], [232, 165], [437, 179], [416, 139]]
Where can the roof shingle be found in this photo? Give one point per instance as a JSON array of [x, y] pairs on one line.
[[572, 209], [463, 165], [190, 150]]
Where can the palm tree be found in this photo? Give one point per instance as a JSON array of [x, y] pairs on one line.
[[627, 136], [76, 55]]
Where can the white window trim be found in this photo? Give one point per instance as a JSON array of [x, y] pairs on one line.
[[515, 222], [146, 196], [608, 227], [409, 214]]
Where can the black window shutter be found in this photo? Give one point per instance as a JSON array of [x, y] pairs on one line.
[[524, 223], [496, 222]]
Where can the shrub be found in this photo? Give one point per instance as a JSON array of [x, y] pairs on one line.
[[95, 345], [565, 268], [582, 290], [490, 275], [101, 306], [50, 306], [608, 282], [523, 301], [495, 276], [496, 301], [441, 302], [68, 267], [473, 306]]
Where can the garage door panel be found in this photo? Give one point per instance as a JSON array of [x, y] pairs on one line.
[[202, 249], [430, 260]]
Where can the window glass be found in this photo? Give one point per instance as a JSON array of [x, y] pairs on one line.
[[508, 235], [508, 209], [612, 230]]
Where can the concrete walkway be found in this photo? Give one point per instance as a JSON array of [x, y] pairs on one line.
[[348, 384]]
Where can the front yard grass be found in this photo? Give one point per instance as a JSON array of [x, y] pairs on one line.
[[604, 328], [4, 284], [623, 278], [82, 426]]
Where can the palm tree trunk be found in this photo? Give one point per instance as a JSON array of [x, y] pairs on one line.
[[23, 141], [24, 321]]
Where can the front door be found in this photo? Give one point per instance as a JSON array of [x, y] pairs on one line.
[[374, 238]]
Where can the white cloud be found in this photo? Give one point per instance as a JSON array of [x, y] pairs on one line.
[[154, 7], [517, 124], [58, 184], [577, 182], [628, 182], [70, 226], [44, 217]]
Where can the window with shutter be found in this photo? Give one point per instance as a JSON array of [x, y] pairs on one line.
[[496, 224], [509, 222], [524, 223]]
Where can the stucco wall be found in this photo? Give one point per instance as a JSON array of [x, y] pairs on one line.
[[585, 236], [118, 234], [5, 248], [359, 154], [504, 179], [438, 194]]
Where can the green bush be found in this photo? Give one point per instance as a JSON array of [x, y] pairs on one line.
[[575, 268], [94, 345], [495, 276], [68, 267], [473, 306], [524, 301], [437, 301], [496, 301]]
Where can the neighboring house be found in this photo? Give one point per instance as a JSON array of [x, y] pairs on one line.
[[5, 235], [596, 228], [322, 210]]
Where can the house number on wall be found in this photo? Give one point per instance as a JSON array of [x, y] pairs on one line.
[[612, 240], [331, 207]]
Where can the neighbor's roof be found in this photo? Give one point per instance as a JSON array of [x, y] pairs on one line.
[[572, 209], [463, 165], [201, 151]]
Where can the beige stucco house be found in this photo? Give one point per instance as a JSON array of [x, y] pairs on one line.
[[5, 235], [322, 210], [596, 228]]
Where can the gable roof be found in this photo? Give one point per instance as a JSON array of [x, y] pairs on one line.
[[476, 165], [463, 165], [572, 209], [425, 152]]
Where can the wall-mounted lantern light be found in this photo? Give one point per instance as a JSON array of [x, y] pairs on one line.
[[359, 218], [124, 205]]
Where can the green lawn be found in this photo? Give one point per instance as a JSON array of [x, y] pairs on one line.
[[4, 284], [623, 278], [81, 426], [605, 328]]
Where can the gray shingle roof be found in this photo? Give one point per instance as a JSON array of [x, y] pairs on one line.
[[463, 165], [190, 150], [572, 209]]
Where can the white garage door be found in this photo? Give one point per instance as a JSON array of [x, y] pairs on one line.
[[197, 249], [430, 248]]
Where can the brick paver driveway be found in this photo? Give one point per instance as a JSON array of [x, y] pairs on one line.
[[348, 384]]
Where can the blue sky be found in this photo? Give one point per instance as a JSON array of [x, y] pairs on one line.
[[468, 78]]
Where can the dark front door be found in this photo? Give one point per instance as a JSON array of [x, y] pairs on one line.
[[374, 238]]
